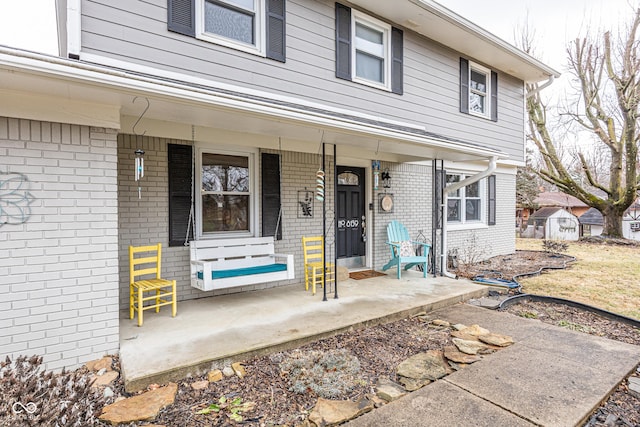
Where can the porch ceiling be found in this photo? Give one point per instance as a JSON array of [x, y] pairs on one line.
[[48, 88]]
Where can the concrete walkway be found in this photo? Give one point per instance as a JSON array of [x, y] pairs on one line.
[[234, 327], [551, 376]]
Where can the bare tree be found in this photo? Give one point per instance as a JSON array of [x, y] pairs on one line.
[[607, 73]]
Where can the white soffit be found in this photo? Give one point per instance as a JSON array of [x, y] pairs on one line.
[[440, 24]]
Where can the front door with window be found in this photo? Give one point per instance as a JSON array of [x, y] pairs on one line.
[[351, 238]]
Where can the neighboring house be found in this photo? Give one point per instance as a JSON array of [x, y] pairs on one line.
[[235, 121], [552, 224], [631, 222], [552, 199], [591, 223]]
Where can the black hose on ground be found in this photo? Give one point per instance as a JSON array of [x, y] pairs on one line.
[[520, 296]]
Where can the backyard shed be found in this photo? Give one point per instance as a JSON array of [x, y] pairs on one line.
[[552, 224], [591, 223]]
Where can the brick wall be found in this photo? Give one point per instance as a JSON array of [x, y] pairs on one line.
[[59, 268], [145, 220]]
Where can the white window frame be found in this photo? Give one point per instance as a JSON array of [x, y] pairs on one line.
[[486, 93], [463, 223], [259, 48], [254, 207], [385, 29]]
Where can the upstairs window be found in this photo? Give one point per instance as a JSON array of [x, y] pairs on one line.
[[371, 51], [254, 26], [368, 51], [234, 20], [478, 90]]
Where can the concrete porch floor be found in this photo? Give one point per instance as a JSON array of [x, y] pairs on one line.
[[218, 330]]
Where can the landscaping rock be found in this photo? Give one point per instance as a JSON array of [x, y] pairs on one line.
[[459, 326], [215, 376], [496, 339], [469, 347], [108, 392], [464, 336], [439, 322], [96, 365], [388, 390], [200, 385], [453, 354], [239, 370], [328, 413], [420, 369], [634, 386], [475, 331], [106, 379], [138, 408], [228, 371]]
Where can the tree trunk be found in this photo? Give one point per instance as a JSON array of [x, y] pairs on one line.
[[613, 224]]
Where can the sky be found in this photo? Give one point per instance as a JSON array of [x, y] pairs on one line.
[[554, 22]]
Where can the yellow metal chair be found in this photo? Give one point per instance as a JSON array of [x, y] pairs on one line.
[[145, 261], [313, 251]]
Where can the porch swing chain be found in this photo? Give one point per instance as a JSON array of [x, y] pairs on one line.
[[280, 174], [191, 221]]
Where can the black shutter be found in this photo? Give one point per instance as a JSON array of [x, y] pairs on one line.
[[276, 30], [180, 163], [343, 42], [181, 17], [441, 181], [491, 200], [396, 60], [464, 85], [271, 196], [494, 96]]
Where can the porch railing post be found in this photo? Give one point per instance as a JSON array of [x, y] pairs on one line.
[[335, 223], [324, 232]]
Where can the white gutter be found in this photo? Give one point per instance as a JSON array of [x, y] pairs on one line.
[[116, 79], [450, 189], [542, 86]]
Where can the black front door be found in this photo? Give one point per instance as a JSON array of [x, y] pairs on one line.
[[351, 217]]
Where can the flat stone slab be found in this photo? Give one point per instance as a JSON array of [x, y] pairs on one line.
[[328, 413], [439, 404], [420, 369], [541, 386], [142, 407]]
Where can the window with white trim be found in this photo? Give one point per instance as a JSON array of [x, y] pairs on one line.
[[465, 205], [233, 23], [226, 205], [370, 50], [479, 90], [254, 26]]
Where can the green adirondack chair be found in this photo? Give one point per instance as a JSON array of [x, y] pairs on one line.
[[402, 249]]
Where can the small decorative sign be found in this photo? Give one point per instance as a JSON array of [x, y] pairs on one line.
[[305, 204], [386, 203]]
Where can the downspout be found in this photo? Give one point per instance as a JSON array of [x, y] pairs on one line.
[[539, 88], [450, 189]]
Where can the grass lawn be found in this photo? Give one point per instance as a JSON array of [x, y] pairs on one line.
[[605, 276]]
